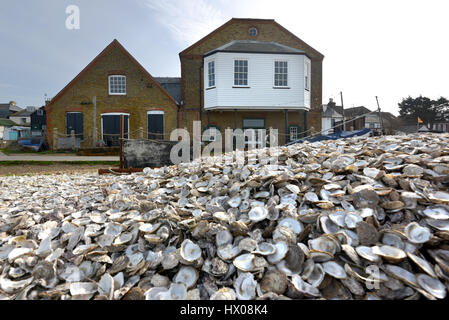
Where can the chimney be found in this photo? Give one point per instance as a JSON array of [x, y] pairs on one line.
[[12, 103]]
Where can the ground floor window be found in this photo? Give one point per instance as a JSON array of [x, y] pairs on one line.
[[75, 122], [110, 128], [254, 123], [294, 132], [155, 124], [259, 134]]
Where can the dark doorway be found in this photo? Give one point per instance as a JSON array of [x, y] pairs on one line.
[[74, 121], [156, 125], [111, 128]]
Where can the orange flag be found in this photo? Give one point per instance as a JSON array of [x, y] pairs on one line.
[[419, 120]]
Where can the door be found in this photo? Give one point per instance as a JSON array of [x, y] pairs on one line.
[[260, 139], [156, 125], [74, 121], [111, 128]]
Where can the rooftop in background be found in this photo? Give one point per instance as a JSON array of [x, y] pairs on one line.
[[6, 109], [255, 47], [388, 116], [356, 111], [172, 85], [7, 123], [23, 113]]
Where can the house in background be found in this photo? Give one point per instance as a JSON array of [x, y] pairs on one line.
[[331, 118], [365, 118], [23, 117], [252, 73], [360, 118], [4, 125], [113, 84], [7, 109], [10, 126], [440, 126], [441, 122], [38, 122], [391, 123]]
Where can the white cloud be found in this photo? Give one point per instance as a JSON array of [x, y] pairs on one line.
[[187, 20]]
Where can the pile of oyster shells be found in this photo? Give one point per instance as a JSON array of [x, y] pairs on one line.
[[359, 218]]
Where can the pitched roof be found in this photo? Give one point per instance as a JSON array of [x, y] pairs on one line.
[[328, 111], [10, 107], [255, 47], [233, 20], [172, 85], [113, 44], [356, 111], [15, 108], [6, 109], [7, 123], [22, 113], [388, 117]]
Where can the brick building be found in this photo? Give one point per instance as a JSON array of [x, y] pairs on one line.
[[248, 73], [113, 84], [252, 73]]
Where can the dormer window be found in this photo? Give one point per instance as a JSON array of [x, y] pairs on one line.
[[117, 85]]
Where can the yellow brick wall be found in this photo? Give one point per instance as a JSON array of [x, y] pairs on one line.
[[138, 100], [226, 119]]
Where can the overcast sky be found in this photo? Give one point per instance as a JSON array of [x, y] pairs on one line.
[[391, 49]]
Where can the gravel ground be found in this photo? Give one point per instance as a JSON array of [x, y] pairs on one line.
[[25, 169]]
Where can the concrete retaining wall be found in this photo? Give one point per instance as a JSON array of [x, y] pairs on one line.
[[147, 153]]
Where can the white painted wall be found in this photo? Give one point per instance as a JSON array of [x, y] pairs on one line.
[[260, 94], [19, 121], [326, 125]]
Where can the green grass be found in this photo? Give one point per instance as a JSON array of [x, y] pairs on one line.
[[48, 163], [20, 151]]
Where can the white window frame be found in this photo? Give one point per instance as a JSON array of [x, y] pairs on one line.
[[234, 73], [209, 74], [163, 119], [274, 74], [307, 72], [290, 133], [114, 114], [109, 85]]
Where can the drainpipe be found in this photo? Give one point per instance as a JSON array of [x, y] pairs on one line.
[[306, 122], [286, 125], [94, 133], [235, 118], [178, 110], [201, 89]]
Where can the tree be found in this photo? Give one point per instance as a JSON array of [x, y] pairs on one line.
[[426, 109]]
